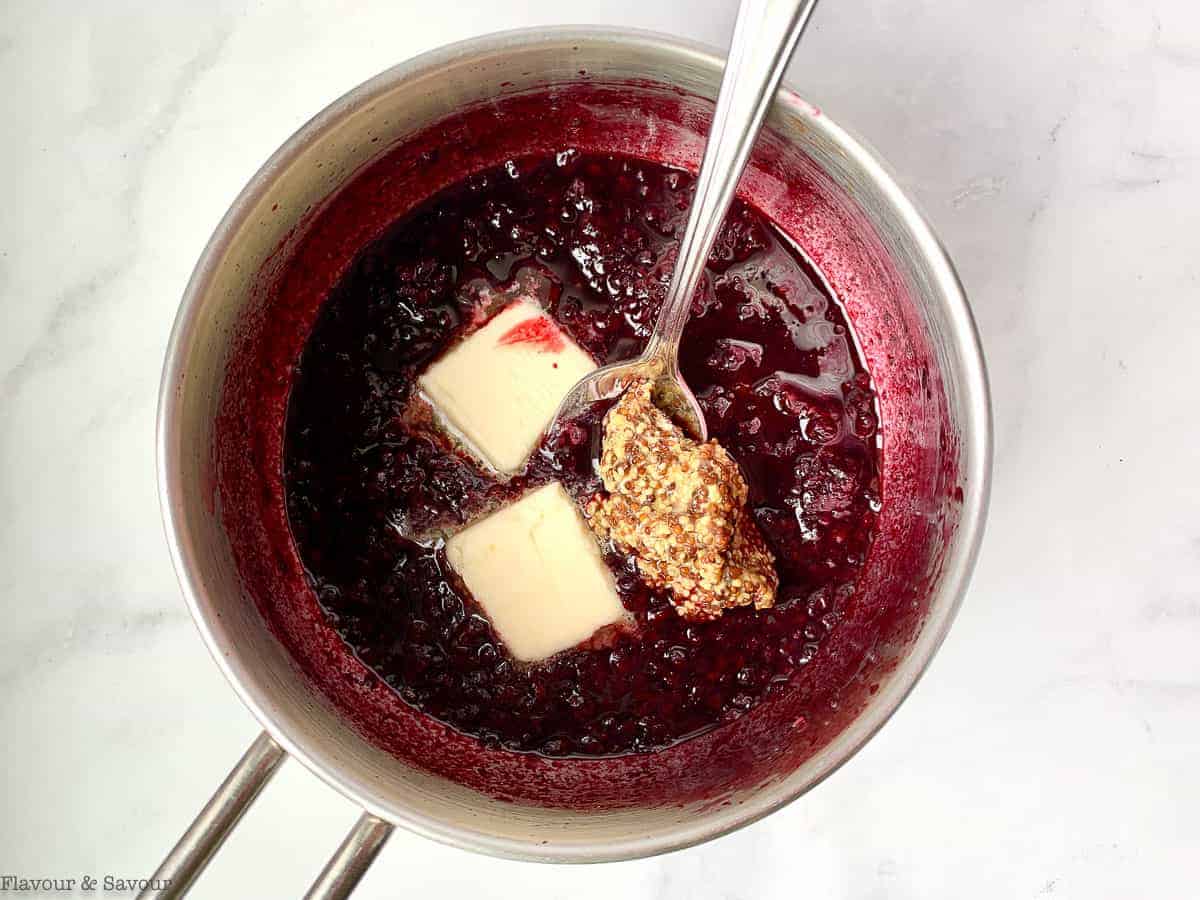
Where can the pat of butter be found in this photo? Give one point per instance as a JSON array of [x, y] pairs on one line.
[[536, 570], [499, 388]]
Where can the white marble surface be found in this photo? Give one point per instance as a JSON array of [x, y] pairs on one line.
[[1052, 748]]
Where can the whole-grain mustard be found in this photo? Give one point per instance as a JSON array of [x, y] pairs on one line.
[[679, 507]]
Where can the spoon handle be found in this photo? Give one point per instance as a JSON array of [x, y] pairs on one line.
[[764, 37]]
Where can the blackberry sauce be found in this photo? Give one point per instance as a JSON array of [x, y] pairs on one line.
[[769, 355]]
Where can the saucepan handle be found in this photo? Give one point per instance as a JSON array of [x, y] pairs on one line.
[[227, 806], [352, 859]]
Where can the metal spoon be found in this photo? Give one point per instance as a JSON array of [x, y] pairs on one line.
[[764, 37]]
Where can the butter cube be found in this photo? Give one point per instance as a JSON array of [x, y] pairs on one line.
[[499, 388], [537, 571]]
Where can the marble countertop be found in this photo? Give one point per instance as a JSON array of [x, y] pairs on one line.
[[1052, 748]]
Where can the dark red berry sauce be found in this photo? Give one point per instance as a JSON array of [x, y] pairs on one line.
[[769, 355]]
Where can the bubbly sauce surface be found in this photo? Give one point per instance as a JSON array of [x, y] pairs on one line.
[[767, 352]]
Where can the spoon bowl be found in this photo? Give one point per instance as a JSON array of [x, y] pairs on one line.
[[670, 392]]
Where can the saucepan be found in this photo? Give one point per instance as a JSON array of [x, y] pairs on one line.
[[911, 319]]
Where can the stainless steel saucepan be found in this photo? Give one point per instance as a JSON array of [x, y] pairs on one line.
[[937, 429]]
